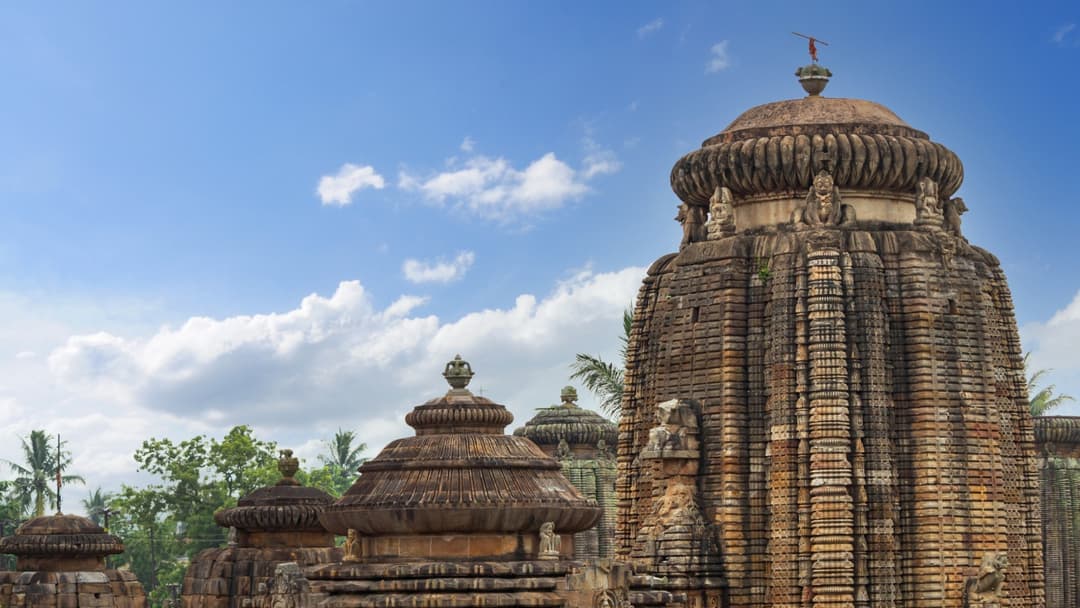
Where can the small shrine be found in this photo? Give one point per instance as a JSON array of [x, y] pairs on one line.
[[461, 514], [270, 526], [583, 442], [60, 563], [1057, 440]]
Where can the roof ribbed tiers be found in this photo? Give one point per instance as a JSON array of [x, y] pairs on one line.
[[582, 429], [459, 477], [856, 367], [61, 562], [271, 525], [284, 509]]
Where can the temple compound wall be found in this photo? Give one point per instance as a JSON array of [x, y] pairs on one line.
[[830, 394]]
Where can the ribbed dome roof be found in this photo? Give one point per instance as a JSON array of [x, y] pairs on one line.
[[1057, 429], [286, 506], [61, 535], [460, 474], [568, 421], [814, 113], [778, 147]]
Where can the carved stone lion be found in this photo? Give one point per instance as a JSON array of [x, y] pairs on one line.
[[953, 209]]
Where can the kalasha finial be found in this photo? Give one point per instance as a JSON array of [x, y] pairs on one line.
[[287, 465], [813, 77], [568, 396], [458, 373]]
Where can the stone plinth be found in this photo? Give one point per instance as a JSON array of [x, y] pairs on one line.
[[61, 564]]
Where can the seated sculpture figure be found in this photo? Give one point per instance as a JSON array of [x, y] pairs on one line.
[[823, 206]]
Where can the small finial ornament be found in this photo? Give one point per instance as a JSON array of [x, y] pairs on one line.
[[458, 373], [288, 465], [813, 77], [568, 396]]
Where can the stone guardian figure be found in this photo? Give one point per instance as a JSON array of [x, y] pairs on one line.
[[823, 206], [721, 214]]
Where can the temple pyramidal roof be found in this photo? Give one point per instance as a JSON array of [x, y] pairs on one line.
[[460, 474], [578, 426]]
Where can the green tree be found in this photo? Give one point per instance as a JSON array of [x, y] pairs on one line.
[[1042, 400], [603, 379], [166, 523], [96, 504], [342, 459], [35, 478]]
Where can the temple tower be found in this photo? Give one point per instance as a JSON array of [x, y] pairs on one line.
[[584, 444], [848, 366]]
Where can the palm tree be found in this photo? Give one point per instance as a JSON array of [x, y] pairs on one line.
[[95, 504], [603, 379], [34, 478], [1042, 400], [343, 457]]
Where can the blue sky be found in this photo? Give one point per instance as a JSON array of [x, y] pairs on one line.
[[495, 179]]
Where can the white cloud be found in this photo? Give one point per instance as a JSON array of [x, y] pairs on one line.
[[492, 188], [467, 144], [598, 160], [1053, 347], [333, 361], [650, 27], [719, 59], [1063, 34], [339, 189], [440, 271]]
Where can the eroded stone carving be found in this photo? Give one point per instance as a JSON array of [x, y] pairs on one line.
[[562, 451], [550, 543], [927, 203], [721, 214], [823, 206], [603, 450], [352, 546], [953, 208], [676, 422], [983, 590], [692, 219], [288, 586]]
